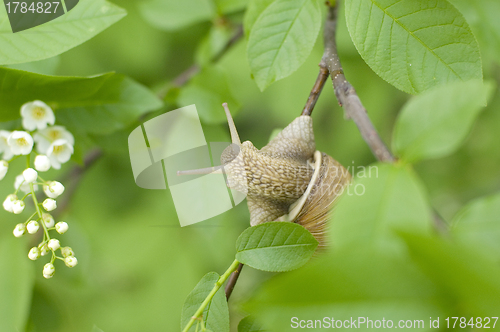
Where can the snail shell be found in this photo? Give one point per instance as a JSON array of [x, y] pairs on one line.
[[288, 179]]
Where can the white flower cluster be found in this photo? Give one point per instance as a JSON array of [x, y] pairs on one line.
[[54, 146]]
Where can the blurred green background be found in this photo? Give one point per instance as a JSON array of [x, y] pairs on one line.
[[136, 264]]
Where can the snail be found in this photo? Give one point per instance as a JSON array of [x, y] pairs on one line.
[[286, 180]]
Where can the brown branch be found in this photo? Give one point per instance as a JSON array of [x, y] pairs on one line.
[[232, 281], [354, 109], [346, 95], [316, 90]]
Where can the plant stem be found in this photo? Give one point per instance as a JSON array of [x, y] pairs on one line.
[[210, 295], [232, 281]]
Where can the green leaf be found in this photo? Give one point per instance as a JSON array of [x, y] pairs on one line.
[[96, 329], [249, 324], [98, 105], [353, 282], [45, 67], [80, 24], [434, 124], [16, 283], [414, 45], [174, 15], [478, 225], [216, 315], [382, 199], [275, 246], [470, 279], [208, 90], [282, 38], [255, 8]]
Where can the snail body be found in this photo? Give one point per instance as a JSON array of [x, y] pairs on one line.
[[286, 180]]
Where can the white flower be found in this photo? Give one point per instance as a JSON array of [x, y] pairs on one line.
[[61, 227], [19, 230], [48, 220], [54, 244], [32, 227], [18, 207], [49, 270], [21, 184], [4, 167], [70, 261], [49, 204], [4, 145], [67, 252], [44, 250], [34, 253], [30, 175], [42, 163], [9, 201], [53, 189], [59, 152], [36, 115], [45, 137], [20, 142]]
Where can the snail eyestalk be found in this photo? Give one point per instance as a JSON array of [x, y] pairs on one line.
[[235, 138]]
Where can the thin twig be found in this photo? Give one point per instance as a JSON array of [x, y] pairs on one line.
[[346, 95], [316, 90], [232, 281]]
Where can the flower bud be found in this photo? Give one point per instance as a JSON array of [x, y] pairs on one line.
[[32, 227], [48, 220], [30, 175], [18, 207], [70, 261], [42, 163], [61, 227], [9, 201], [34, 253], [49, 270], [67, 252], [49, 204], [4, 167], [44, 250], [53, 244], [53, 189], [19, 230]]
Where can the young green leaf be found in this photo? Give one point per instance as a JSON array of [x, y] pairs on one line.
[[478, 225], [383, 198], [434, 124], [282, 38], [414, 45], [275, 246], [173, 15], [216, 315], [98, 105], [255, 8], [208, 90], [249, 324], [472, 280], [83, 22]]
